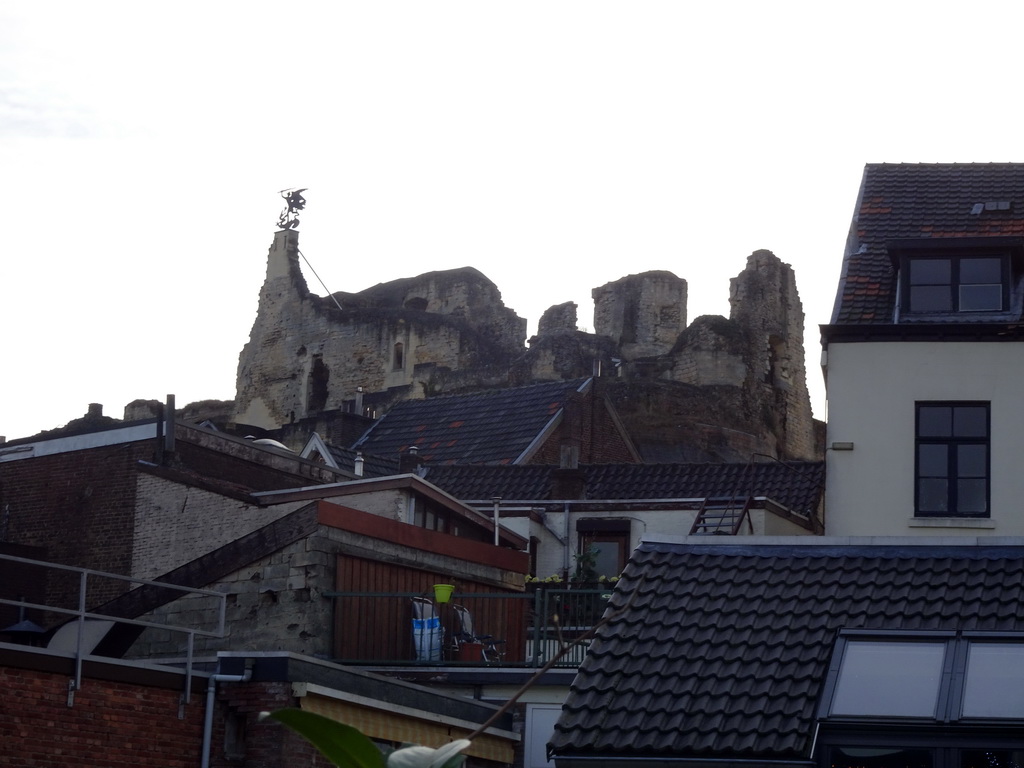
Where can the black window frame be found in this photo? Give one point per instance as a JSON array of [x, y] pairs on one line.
[[956, 259], [947, 736], [954, 473]]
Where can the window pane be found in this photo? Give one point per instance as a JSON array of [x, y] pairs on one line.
[[981, 271], [981, 298], [927, 298], [971, 461], [608, 558], [935, 421], [933, 460], [886, 678], [930, 272], [994, 686], [883, 757], [971, 496], [932, 495], [970, 421]]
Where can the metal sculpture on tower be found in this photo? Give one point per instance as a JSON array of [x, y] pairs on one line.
[[289, 218]]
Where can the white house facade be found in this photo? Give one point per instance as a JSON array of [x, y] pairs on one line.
[[924, 357]]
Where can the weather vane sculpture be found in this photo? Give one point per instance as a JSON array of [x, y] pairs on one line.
[[289, 218]]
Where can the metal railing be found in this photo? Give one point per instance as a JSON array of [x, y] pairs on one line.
[[512, 629], [82, 614]]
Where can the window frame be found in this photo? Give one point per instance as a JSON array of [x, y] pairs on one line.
[[1009, 251], [954, 474], [956, 260], [606, 531], [949, 734]]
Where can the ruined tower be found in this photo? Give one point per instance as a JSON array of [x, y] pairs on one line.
[[306, 356]]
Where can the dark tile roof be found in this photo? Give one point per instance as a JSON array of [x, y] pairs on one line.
[[909, 201], [795, 485], [723, 651], [373, 466], [492, 427]]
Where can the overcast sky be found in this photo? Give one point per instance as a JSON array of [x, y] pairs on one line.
[[553, 145]]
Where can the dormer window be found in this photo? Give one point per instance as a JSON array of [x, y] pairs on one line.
[[941, 284]]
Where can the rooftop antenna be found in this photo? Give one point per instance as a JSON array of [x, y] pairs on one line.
[[289, 219]]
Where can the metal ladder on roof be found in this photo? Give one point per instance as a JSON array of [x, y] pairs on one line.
[[722, 516]]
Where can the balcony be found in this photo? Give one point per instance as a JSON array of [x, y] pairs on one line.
[[511, 630]]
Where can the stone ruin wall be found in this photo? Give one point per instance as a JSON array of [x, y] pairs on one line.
[[644, 313], [305, 357]]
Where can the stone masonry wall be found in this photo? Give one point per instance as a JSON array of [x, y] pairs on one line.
[[305, 356], [764, 301], [643, 314]]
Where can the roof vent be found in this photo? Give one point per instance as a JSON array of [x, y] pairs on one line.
[[1001, 205]]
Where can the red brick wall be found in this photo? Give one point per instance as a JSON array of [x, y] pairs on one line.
[[267, 744], [78, 507], [589, 425], [110, 725]]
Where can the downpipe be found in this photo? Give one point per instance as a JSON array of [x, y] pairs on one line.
[[211, 693]]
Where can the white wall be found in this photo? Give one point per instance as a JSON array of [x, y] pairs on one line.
[[872, 390]]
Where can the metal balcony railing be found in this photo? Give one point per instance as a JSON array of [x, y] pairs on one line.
[[81, 614], [509, 630]]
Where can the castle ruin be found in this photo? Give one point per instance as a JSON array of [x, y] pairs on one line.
[[718, 389]]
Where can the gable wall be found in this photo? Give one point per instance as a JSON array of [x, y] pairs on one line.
[[872, 390]]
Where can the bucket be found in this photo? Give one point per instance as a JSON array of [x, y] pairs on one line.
[[443, 592]]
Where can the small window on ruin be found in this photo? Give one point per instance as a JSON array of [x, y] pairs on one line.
[[418, 303], [399, 361]]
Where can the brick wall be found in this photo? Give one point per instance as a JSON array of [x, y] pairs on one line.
[[588, 424], [78, 507], [111, 724], [266, 744]]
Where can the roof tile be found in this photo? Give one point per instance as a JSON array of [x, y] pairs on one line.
[[721, 664]]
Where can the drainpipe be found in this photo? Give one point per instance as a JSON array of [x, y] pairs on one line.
[[565, 549], [211, 691]]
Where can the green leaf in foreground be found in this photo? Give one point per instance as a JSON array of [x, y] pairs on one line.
[[342, 744]]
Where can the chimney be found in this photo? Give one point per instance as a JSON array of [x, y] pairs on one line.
[[359, 402], [95, 410], [358, 464], [568, 484], [409, 463]]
